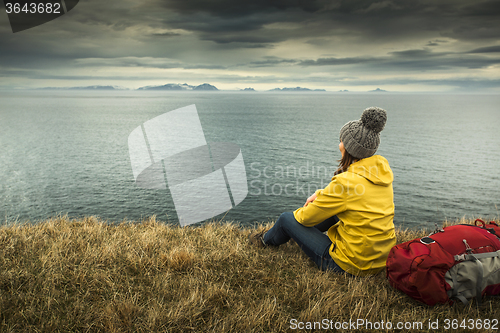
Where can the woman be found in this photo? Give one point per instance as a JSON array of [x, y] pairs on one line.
[[356, 207]]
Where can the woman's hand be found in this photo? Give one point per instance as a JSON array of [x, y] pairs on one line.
[[310, 199]]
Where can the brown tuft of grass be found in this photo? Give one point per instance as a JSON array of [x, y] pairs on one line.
[[180, 260], [87, 275]]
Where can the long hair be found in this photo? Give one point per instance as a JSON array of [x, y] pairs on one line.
[[344, 163]]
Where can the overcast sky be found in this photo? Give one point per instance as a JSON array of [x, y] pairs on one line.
[[401, 45]]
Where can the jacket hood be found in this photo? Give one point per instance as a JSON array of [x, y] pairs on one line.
[[376, 169]]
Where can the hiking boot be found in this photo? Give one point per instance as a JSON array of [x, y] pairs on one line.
[[257, 238]]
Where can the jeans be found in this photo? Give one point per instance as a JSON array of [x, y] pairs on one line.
[[310, 239]]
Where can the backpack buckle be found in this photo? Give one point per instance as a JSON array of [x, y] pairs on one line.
[[437, 230], [467, 247]]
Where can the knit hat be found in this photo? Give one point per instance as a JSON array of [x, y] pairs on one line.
[[362, 137]]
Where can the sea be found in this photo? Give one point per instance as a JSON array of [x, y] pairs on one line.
[[65, 152]]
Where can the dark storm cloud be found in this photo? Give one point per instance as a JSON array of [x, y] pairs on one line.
[[231, 8], [166, 34], [488, 49], [254, 41], [248, 28], [426, 59], [354, 36], [401, 61], [245, 21], [387, 65], [419, 53], [436, 42], [31, 54], [218, 20], [481, 8], [338, 61], [271, 62], [141, 62], [200, 21], [411, 60]]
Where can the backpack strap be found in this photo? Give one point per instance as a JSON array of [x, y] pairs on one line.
[[482, 223], [475, 256], [479, 284], [490, 227], [463, 299]]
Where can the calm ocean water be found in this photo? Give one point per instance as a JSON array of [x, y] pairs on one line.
[[65, 152]]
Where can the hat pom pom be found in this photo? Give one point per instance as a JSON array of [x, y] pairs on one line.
[[374, 119]]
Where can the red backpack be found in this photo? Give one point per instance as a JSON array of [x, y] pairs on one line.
[[457, 262]]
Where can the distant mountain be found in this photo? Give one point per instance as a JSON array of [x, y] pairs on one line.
[[248, 89], [378, 90], [169, 86], [176, 86], [205, 86], [345, 90], [296, 89]]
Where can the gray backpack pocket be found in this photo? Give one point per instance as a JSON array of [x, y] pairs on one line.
[[471, 276]]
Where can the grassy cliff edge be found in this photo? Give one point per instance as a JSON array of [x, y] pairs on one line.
[[87, 275]]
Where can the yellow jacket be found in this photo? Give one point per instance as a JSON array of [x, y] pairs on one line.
[[363, 200]]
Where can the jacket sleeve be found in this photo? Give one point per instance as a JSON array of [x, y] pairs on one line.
[[330, 201]]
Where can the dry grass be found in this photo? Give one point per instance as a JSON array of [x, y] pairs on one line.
[[89, 276]]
